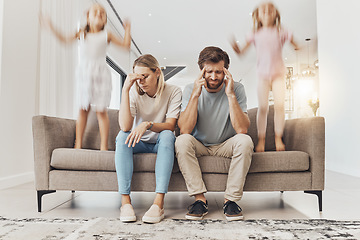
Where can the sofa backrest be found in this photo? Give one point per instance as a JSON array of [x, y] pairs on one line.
[[270, 134], [91, 138]]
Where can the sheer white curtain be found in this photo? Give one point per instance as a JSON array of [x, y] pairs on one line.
[[57, 62]]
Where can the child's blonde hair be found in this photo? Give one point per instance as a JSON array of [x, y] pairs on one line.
[[150, 61], [86, 28], [256, 22]]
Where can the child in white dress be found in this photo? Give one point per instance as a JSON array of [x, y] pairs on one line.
[[93, 74]]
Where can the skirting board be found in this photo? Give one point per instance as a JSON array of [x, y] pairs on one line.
[[347, 170], [15, 180]]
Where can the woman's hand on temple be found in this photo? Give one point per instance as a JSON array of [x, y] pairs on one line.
[[130, 80]]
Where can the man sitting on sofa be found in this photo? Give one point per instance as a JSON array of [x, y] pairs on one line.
[[214, 121]]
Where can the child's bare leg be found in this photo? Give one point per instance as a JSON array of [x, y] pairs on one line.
[[278, 87], [80, 127], [260, 147], [261, 121], [103, 119]]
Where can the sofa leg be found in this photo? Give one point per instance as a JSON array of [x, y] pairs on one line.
[[319, 195], [39, 196]]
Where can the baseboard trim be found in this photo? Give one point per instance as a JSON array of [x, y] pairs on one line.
[[15, 180], [353, 172]]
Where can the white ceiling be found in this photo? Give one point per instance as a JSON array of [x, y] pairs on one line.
[[176, 31]]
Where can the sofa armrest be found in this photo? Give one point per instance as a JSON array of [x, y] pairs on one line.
[[308, 135], [49, 133]]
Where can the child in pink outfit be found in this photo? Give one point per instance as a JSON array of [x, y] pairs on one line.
[[269, 38], [269, 43]]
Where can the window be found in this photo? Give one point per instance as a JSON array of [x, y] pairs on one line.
[[117, 78]]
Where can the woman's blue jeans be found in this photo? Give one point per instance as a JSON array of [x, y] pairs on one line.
[[164, 147]]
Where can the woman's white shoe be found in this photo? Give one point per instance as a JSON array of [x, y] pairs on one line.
[[154, 214], [127, 213]]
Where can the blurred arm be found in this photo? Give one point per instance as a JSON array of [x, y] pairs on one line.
[[46, 23], [126, 43]]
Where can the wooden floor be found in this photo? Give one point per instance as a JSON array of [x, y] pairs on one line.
[[341, 200]]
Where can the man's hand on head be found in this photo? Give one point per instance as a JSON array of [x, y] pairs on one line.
[[229, 83], [199, 82]]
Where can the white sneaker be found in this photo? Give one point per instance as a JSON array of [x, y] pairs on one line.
[[154, 214], [127, 213]]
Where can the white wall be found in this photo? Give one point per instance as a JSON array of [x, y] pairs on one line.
[[1, 34], [17, 97], [339, 53]]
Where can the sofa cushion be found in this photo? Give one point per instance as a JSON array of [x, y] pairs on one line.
[[287, 161], [94, 160]]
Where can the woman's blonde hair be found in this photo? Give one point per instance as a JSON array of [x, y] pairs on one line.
[[150, 62], [256, 22]]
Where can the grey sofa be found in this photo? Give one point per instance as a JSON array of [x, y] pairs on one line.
[[60, 167]]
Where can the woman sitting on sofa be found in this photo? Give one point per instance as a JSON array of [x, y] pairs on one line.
[[147, 117]]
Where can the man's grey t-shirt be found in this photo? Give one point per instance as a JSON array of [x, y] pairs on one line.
[[213, 124]]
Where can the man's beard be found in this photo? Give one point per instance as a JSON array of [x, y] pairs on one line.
[[213, 87]]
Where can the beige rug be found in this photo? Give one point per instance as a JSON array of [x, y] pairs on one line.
[[110, 228]]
